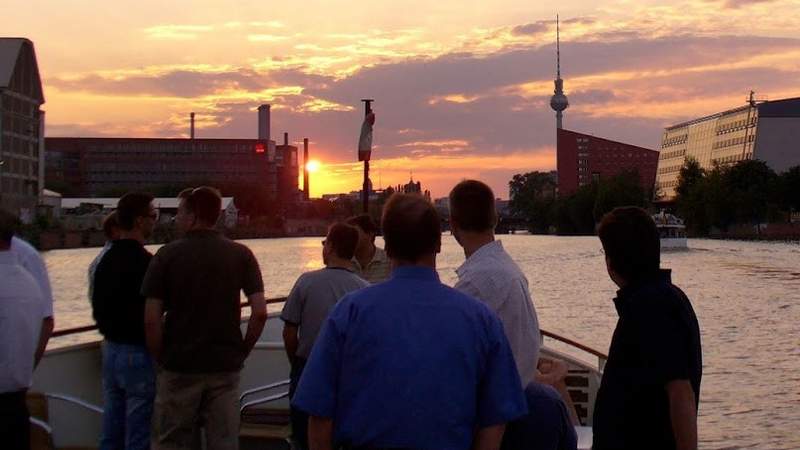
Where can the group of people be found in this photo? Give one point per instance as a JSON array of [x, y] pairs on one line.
[[383, 355]]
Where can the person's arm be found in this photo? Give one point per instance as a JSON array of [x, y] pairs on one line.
[[44, 336], [683, 414], [489, 438], [553, 372], [290, 340], [258, 317], [154, 326], [320, 433]]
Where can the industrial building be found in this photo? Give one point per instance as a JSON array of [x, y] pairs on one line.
[[21, 128], [765, 130], [93, 167]]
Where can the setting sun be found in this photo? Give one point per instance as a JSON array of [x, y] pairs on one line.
[[313, 165]]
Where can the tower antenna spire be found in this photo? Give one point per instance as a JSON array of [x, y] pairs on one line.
[[558, 49], [558, 101]]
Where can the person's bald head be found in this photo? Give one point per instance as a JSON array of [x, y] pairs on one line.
[[411, 228]]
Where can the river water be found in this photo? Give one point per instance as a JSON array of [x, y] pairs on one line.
[[746, 296]]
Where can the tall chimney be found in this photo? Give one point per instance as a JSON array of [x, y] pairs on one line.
[[306, 192], [285, 138], [263, 123], [191, 130]]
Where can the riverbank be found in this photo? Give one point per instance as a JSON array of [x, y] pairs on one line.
[[56, 239]]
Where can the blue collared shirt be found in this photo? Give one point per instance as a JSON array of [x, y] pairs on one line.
[[411, 363]]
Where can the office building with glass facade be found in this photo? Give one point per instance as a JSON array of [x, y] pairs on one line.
[[767, 131]]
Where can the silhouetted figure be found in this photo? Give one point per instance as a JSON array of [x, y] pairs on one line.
[[650, 391], [118, 309], [192, 320]]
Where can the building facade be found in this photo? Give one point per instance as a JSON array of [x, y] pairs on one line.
[[21, 127], [768, 131], [91, 167], [583, 159]]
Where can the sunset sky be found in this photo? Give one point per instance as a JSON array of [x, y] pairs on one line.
[[461, 87]]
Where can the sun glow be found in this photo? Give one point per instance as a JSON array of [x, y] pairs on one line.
[[313, 166]]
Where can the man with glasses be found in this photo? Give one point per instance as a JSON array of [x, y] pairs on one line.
[[118, 309], [308, 305]]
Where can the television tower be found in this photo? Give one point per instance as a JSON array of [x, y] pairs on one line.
[[558, 101]]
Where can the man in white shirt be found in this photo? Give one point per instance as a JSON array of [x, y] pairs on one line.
[[490, 275], [21, 314], [30, 259]]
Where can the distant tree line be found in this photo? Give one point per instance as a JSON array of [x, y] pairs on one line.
[[748, 192], [535, 203]]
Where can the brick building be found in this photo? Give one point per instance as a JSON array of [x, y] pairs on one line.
[[583, 159], [21, 127]]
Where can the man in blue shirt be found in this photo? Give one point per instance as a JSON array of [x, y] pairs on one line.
[[410, 363]]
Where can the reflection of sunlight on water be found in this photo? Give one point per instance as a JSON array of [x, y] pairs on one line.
[[744, 293]]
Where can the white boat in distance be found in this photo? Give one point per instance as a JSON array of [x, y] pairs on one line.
[[671, 230], [66, 397]]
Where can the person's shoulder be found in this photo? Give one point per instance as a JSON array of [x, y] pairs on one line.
[[25, 252], [20, 245], [22, 281], [464, 301], [539, 391]]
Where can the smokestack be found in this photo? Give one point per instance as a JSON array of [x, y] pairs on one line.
[[191, 129], [263, 122], [306, 192], [285, 138]]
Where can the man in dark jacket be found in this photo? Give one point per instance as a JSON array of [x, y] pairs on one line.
[[118, 309], [650, 391]]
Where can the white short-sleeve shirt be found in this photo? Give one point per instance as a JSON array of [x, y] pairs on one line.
[[490, 275], [29, 258], [21, 314]]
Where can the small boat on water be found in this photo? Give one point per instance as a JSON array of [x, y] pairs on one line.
[[671, 230], [66, 397]]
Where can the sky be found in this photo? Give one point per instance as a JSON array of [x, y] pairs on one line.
[[461, 88]]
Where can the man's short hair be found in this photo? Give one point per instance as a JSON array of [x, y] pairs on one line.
[[131, 206], [343, 239], [472, 206], [184, 194], [110, 223], [411, 227], [205, 203], [9, 225], [365, 222], [631, 242]]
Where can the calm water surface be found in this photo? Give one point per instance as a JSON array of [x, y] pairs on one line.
[[746, 296]]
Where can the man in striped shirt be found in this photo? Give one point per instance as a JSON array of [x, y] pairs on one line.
[[490, 275]]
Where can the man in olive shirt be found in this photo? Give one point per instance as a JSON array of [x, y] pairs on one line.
[[195, 284], [370, 261]]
